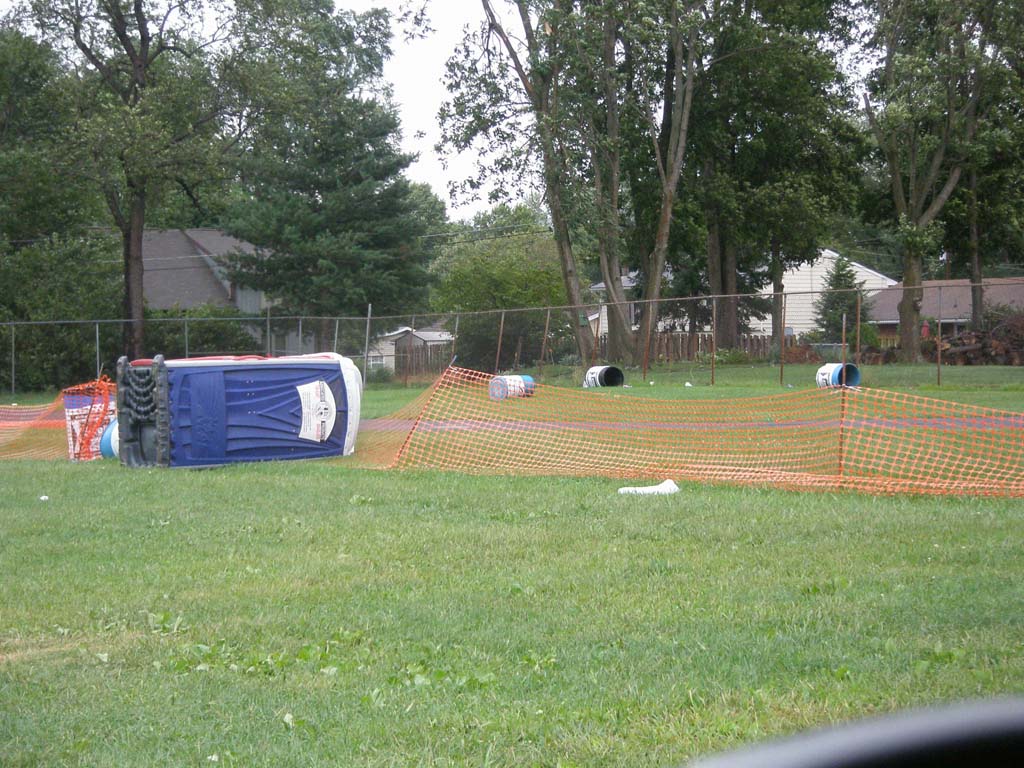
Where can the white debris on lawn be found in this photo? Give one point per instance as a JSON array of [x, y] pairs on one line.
[[661, 489]]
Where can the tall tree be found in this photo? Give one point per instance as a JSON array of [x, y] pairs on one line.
[[507, 85], [772, 144], [150, 106], [561, 82], [983, 223], [599, 34], [41, 194], [337, 224], [922, 106], [682, 24]]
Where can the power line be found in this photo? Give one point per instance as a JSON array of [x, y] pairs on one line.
[[460, 233]]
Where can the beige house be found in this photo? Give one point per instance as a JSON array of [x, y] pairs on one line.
[[182, 271], [803, 285]]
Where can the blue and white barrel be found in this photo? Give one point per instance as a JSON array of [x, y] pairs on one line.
[[503, 387], [838, 374]]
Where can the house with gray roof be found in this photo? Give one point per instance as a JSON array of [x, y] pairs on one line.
[[181, 271], [946, 302]]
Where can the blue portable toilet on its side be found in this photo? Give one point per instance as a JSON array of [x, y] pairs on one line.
[[202, 412]]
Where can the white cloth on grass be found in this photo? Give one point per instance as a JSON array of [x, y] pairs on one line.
[[661, 489]]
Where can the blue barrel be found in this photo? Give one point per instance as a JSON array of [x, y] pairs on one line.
[[503, 387], [109, 441], [838, 374]]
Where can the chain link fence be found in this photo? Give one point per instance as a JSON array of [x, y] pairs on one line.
[[710, 331]]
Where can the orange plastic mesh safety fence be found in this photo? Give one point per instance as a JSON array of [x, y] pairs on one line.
[[380, 439], [868, 440], [69, 427], [33, 431]]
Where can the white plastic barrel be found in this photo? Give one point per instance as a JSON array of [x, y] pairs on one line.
[[604, 376], [502, 387], [832, 375]]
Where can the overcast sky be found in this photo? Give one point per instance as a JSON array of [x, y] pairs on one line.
[[416, 72]]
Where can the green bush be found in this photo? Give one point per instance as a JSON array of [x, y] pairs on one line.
[[381, 375], [70, 279], [212, 330], [869, 337], [732, 356]]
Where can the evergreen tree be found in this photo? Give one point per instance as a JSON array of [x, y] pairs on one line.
[[840, 298], [324, 198]]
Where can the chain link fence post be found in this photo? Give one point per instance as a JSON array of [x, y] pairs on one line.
[[455, 337], [501, 332], [366, 343], [714, 336], [782, 343], [938, 344]]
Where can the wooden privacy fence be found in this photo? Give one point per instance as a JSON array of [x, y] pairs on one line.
[[415, 361]]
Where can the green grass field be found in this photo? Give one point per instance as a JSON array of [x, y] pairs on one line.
[[315, 614]]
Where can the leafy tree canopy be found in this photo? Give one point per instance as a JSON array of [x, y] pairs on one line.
[[324, 198], [505, 260], [41, 191]]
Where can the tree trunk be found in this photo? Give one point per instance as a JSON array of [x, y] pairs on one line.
[[539, 84], [692, 345], [714, 256], [570, 278], [670, 168], [324, 335], [977, 290], [728, 316], [778, 332], [621, 340], [134, 300], [607, 171], [910, 308], [714, 263]]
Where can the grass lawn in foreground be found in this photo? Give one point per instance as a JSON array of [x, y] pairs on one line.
[[315, 614], [310, 614]]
